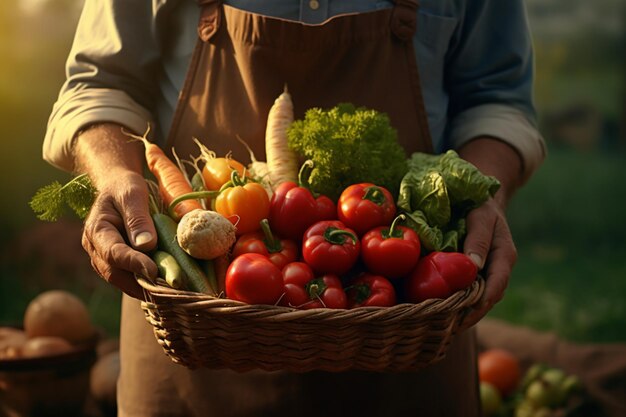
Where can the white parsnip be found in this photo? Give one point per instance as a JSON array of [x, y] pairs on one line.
[[282, 162], [257, 169]]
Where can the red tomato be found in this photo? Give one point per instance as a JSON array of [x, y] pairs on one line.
[[439, 275], [390, 251], [369, 290], [329, 247], [293, 209], [501, 369], [364, 206], [305, 291], [254, 279], [279, 251]]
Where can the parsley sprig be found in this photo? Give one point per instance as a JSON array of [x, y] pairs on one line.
[[51, 201]]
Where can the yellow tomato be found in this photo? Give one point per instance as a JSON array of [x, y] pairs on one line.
[[245, 204], [217, 171]]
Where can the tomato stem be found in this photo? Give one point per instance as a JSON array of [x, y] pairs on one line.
[[188, 196], [338, 236], [363, 292], [375, 195], [393, 231], [236, 180], [315, 288], [272, 244]]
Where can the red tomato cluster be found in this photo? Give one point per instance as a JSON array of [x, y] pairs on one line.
[[311, 253]]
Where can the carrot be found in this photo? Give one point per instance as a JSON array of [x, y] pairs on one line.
[[282, 162], [172, 181]]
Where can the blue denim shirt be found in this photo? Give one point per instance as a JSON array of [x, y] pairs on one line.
[[129, 60]]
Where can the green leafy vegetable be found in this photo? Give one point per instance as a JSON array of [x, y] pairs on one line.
[[50, 201], [348, 145], [437, 194]]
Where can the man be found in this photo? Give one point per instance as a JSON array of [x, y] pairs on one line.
[[453, 74]]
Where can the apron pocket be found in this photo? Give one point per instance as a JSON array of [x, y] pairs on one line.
[[435, 31]]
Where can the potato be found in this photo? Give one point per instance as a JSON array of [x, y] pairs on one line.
[[45, 346], [11, 342], [58, 313], [103, 379]]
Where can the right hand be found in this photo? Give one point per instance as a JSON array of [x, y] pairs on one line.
[[119, 229]]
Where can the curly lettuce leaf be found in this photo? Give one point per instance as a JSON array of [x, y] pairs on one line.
[[465, 182], [437, 194], [426, 191]]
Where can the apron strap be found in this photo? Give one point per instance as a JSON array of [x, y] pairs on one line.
[[210, 18], [404, 19]]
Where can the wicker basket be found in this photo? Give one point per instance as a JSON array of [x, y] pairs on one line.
[[198, 330]]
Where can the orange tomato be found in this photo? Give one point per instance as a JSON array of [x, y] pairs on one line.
[[245, 204], [217, 171], [501, 369]]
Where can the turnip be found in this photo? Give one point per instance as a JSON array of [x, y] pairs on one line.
[[205, 234]]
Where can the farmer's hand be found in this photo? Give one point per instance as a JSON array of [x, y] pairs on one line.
[[490, 245], [118, 228], [488, 241]]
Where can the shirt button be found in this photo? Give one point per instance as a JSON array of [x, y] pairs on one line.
[[314, 4]]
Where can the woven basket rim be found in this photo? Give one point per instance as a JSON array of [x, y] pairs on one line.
[[200, 330], [193, 300]]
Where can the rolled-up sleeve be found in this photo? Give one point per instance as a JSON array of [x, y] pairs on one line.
[[490, 79], [111, 75]]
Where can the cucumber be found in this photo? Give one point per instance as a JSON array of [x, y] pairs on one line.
[[166, 232], [170, 270]]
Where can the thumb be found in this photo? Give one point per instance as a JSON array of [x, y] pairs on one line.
[[480, 227], [138, 222]]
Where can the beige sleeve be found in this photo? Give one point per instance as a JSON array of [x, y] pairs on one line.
[[80, 109], [505, 123]]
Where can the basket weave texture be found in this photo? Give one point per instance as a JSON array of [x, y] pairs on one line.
[[201, 331]]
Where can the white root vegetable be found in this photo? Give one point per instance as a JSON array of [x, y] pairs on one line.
[[282, 162], [258, 169], [205, 234]]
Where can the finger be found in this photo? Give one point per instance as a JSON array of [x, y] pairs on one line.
[[111, 248], [480, 228], [501, 261], [124, 280], [133, 205], [500, 265], [102, 236]]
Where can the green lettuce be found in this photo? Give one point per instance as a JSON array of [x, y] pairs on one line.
[[437, 193]]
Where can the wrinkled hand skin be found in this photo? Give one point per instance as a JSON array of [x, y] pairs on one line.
[[488, 233], [489, 242], [120, 212]]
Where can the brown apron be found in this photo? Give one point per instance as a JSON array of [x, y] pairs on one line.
[[239, 67]]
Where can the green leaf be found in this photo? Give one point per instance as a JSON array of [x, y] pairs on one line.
[[465, 182], [438, 192], [79, 195], [348, 145], [49, 202], [431, 238]]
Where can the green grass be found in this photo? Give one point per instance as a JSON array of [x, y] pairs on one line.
[[569, 227]]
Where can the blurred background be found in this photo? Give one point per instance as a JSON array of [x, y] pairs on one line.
[[568, 221]]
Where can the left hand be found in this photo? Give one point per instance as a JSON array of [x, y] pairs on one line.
[[490, 245], [488, 241]]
